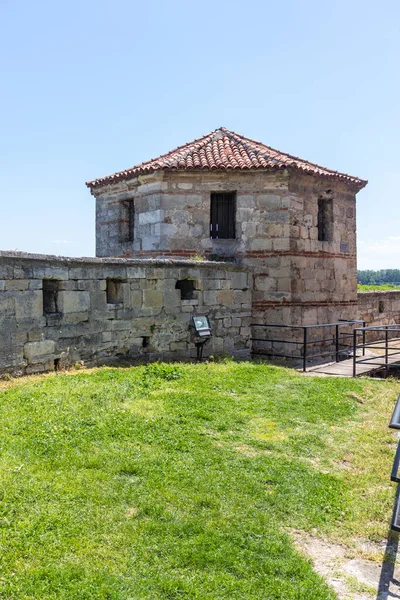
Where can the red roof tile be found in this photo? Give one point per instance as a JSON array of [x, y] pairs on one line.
[[225, 150]]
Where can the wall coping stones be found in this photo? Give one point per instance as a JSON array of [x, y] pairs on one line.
[[372, 293], [6, 256]]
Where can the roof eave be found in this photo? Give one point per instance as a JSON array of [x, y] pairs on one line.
[[354, 182]]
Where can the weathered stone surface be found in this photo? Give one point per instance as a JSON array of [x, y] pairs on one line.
[[28, 305], [152, 216], [17, 285], [151, 320], [240, 280], [153, 298], [7, 306], [74, 301], [34, 349]]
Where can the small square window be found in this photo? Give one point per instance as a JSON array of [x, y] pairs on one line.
[[50, 296], [114, 291], [187, 288]]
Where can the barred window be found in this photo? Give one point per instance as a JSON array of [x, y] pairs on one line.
[[222, 217]]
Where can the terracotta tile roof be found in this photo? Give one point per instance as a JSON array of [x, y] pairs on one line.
[[225, 150]]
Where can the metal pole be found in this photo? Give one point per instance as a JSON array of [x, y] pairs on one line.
[[387, 348], [354, 351], [304, 349], [337, 343], [395, 420], [363, 338]]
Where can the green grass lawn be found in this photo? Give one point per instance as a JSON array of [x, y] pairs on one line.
[[184, 481], [385, 287]]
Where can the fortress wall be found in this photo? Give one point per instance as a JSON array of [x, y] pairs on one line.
[[56, 311], [379, 308]]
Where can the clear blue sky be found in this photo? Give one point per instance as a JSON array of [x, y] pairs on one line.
[[91, 87]]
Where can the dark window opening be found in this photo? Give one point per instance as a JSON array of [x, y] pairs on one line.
[[187, 288], [127, 221], [146, 341], [222, 215], [381, 306], [114, 291], [325, 220], [50, 296]]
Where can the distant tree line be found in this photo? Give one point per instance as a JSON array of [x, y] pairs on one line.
[[369, 277]]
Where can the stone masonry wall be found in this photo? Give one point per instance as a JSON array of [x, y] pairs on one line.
[[297, 278], [146, 318], [309, 280], [97, 310], [110, 229], [379, 308], [323, 273], [172, 214]]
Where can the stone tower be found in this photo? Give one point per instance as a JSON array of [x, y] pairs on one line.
[[229, 197]]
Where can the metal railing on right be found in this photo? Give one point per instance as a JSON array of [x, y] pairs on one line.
[[307, 343], [395, 424], [380, 341]]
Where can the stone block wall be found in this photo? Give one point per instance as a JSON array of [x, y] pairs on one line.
[[101, 310], [323, 273], [111, 217], [297, 277], [172, 214], [379, 308]]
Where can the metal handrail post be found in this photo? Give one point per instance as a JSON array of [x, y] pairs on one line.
[[337, 343], [363, 337], [354, 352], [387, 348], [304, 349]]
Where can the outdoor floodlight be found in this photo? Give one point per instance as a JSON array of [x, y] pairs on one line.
[[202, 333], [202, 327]]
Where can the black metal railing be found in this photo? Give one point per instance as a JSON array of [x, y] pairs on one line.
[[383, 341], [395, 424], [306, 344]]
